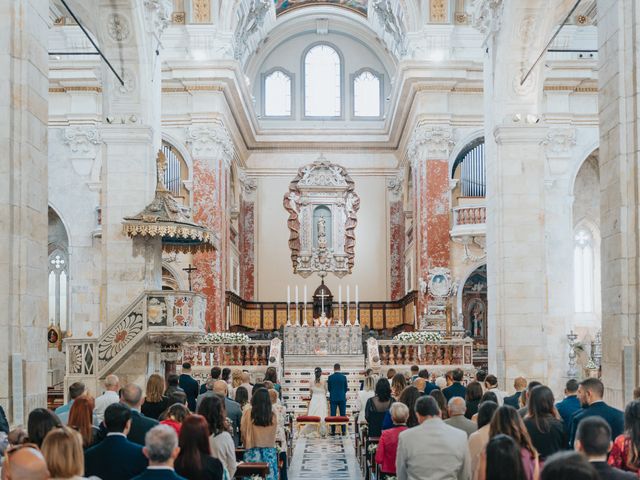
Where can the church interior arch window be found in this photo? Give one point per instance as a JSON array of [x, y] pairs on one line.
[[584, 270], [322, 82], [277, 94], [469, 169], [367, 93], [58, 289]]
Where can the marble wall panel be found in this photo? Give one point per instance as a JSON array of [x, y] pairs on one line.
[[247, 249], [396, 248]]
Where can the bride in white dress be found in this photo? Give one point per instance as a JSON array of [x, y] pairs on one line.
[[317, 404]]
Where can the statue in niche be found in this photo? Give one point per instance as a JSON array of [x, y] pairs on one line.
[[322, 223], [476, 310]]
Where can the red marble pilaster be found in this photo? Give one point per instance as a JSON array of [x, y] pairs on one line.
[[396, 247], [247, 248]]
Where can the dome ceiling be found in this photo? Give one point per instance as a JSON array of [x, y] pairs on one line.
[[359, 6]]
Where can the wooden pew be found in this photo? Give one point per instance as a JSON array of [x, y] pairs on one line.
[[248, 469]]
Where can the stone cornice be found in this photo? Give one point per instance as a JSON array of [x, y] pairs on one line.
[[430, 142]]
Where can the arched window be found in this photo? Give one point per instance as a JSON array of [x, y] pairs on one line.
[[472, 172], [366, 95], [58, 290], [322, 82], [277, 94], [176, 174], [584, 270]]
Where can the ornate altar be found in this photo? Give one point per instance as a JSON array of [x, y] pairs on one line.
[[322, 206], [322, 303], [334, 340]]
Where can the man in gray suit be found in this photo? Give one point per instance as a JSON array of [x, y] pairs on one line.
[[457, 409], [234, 411], [433, 450]]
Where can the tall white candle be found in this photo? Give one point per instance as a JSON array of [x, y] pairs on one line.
[[296, 295], [304, 320], [288, 294], [348, 301], [340, 304], [356, 295], [305, 294]]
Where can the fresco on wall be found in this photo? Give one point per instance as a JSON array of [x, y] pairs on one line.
[[359, 6]]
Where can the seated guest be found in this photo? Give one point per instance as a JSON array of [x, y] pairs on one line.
[[507, 421], [174, 416], [491, 383], [441, 401], [570, 404], [432, 450], [365, 393], [115, 457], [258, 429], [590, 393], [154, 402], [593, 439], [472, 398], [189, 385], [220, 440], [524, 398], [161, 448], [81, 420], [457, 408], [62, 450], [478, 440], [242, 397], [520, 385], [110, 396], [543, 423], [39, 423], [424, 373], [625, 453], [140, 424], [409, 397], [456, 389], [215, 376], [75, 390], [195, 461], [377, 407], [388, 444], [568, 466], [501, 460], [398, 383], [24, 463]]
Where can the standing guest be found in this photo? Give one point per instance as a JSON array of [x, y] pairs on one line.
[[215, 376], [590, 393], [220, 440], [173, 385], [457, 408], [271, 375], [280, 412], [377, 407], [236, 381], [246, 383], [226, 375], [195, 461], [161, 448], [233, 408], [189, 385], [109, 397], [448, 376], [543, 423], [491, 383], [388, 444], [520, 385], [75, 390], [24, 462], [174, 416], [40, 422], [501, 460], [456, 389], [259, 427], [242, 397], [570, 405], [420, 384], [524, 398], [390, 374], [115, 457], [132, 397], [408, 397], [62, 450], [593, 439], [478, 440], [364, 395], [568, 466], [415, 369], [507, 421], [481, 376], [442, 403], [432, 450], [440, 383], [472, 398], [155, 402], [81, 420], [429, 386], [625, 453], [398, 384], [338, 387]]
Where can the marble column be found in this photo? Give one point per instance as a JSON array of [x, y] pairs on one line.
[[396, 236], [619, 63], [247, 236], [212, 151], [23, 206]]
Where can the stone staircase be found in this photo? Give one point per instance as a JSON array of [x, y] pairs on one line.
[[154, 318]]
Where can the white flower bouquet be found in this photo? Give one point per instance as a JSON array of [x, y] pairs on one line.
[[224, 338], [418, 337]]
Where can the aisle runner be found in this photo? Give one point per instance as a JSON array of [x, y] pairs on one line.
[[331, 458]]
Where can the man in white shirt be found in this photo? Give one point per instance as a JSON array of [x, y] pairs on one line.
[[491, 382], [110, 396]]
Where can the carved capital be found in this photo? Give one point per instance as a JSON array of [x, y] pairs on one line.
[[394, 184], [158, 15], [82, 140], [211, 141], [487, 16], [249, 184], [430, 142], [559, 141]]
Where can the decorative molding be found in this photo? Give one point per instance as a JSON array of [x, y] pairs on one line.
[[559, 141], [430, 142], [249, 184], [118, 27], [201, 11], [82, 140], [395, 183], [438, 11], [392, 25], [130, 83], [487, 16], [158, 15], [249, 24], [210, 141]]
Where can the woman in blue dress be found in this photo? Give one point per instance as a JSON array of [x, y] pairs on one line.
[[259, 427]]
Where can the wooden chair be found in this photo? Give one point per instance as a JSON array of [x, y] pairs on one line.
[[249, 469], [338, 421]]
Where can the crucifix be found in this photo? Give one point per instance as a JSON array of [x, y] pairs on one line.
[[189, 269], [322, 297]]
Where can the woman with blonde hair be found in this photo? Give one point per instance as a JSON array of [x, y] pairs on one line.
[[155, 403], [62, 450], [398, 384], [236, 381], [367, 392]]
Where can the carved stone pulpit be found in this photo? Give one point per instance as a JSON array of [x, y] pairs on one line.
[[322, 301]]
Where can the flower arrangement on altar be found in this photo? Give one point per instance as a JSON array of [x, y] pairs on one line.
[[418, 337], [221, 338]]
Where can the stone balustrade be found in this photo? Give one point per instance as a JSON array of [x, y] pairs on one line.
[[469, 215], [448, 353], [255, 353]]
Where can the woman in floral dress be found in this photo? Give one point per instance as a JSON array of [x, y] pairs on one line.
[[259, 427]]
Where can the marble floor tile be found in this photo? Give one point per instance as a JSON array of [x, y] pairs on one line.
[[330, 458]]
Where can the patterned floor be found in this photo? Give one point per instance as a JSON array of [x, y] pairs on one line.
[[331, 458]]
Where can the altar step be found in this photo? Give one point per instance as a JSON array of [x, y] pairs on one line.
[[298, 378]]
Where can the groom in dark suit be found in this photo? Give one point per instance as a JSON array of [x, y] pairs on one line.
[[338, 387]]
